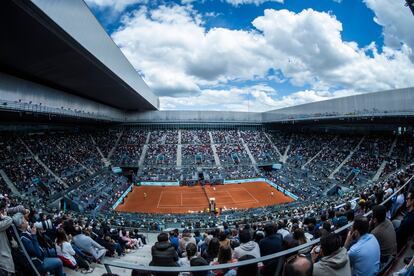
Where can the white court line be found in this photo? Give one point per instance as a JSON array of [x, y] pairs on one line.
[[159, 200], [176, 206], [230, 197], [250, 194]]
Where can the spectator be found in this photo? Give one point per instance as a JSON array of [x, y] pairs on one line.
[[247, 270], [68, 255], [405, 229], [224, 257], [364, 250], [185, 240], [199, 261], [163, 253], [212, 251], [6, 260], [191, 251], [224, 241], [298, 265], [384, 232], [247, 246], [272, 243], [174, 239], [334, 258], [88, 245], [29, 240]]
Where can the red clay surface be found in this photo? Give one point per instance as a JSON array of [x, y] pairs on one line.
[[168, 200]]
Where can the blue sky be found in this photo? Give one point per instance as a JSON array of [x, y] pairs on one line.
[[258, 55]]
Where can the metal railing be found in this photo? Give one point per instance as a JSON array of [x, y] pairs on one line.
[[16, 106], [112, 263], [21, 246]]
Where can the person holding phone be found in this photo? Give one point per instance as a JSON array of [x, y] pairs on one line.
[[334, 260], [364, 250]]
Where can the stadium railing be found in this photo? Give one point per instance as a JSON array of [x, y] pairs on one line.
[[38, 108], [113, 263]]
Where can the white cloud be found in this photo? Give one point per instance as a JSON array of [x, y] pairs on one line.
[[178, 57], [175, 52], [255, 2], [257, 98], [239, 2], [396, 19], [117, 5]]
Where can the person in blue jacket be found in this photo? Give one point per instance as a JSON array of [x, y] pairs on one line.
[[38, 254]]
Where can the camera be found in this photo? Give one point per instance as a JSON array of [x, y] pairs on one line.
[[44, 225]]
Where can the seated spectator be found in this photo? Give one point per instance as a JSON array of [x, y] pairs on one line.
[[212, 251], [191, 251], [247, 270], [298, 265], [163, 253], [224, 241], [30, 243], [130, 243], [224, 257], [364, 250], [6, 260], [88, 245], [405, 229], [282, 229], [174, 239], [247, 246], [185, 240], [272, 243], [68, 255], [383, 230], [199, 261], [334, 258]]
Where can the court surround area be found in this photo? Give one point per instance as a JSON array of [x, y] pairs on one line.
[[184, 199]]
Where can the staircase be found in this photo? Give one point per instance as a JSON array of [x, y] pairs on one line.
[[380, 170], [346, 159], [179, 159], [246, 148], [104, 160], [213, 148], [148, 138], [9, 183], [40, 162], [115, 146], [394, 143], [273, 145], [77, 162], [142, 157], [285, 154], [317, 154]]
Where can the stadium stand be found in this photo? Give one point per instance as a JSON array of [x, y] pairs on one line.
[[79, 129]]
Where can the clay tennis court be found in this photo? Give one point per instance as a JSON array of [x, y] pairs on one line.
[[186, 199]]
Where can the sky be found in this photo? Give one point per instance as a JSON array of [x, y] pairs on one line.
[[259, 55]]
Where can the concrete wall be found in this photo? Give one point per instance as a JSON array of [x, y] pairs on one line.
[[194, 117], [391, 101], [13, 89], [17, 92], [76, 19]]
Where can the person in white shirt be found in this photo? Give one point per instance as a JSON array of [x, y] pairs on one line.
[[67, 254]]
